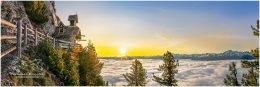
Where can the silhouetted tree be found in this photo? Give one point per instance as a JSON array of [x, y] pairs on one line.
[[137, 77], [231, 79], [252, 77], [169, 69]]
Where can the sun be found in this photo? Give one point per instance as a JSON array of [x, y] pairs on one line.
[[122, 51]]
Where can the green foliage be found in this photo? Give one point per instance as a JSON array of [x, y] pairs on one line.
[[73, 66], [231, 79], [60, 63], [51, 56], [37, 11], [255, 52], [251, 78], [250, 64], [26, 67], [90, 67], [256, 29], [169, 69], [137, 77], [47, 80], [71, 72]]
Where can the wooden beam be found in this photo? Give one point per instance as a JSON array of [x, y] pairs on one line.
[[40, 33], [19, 38], [41, 37], [25, 36], [8, 24], [10, 41], [54, 42], [8, 51], [62, 46], [31, 30], [31, 35], [64, 41], [8, 37]]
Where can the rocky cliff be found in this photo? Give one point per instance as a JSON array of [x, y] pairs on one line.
[[10, 11]]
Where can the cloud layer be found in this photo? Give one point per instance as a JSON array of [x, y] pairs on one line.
[[191, 73]]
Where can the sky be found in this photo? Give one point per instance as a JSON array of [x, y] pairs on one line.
[[143, 28]]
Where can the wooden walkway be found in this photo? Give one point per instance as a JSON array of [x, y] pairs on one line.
[[21, 37]]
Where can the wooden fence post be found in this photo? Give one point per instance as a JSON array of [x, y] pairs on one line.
[[19, 34], [25, 36], [35, 35], [54, 43]]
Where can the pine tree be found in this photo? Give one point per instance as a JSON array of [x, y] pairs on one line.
[[71, 71], [137, 77], [37, 11], [231, 79], [169, 69], [90, 67], [252, 77]]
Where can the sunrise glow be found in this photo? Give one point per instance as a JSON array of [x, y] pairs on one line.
[[149, 28]]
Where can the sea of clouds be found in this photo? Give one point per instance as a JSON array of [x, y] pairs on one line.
[[190, 73]]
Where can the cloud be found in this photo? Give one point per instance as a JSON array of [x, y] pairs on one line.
[[190, 73]]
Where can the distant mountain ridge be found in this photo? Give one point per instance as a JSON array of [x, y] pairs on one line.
[[226, 55]]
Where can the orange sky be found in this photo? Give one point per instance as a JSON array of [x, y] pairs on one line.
[[152, 28]]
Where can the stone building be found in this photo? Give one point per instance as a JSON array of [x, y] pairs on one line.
[[71, 32]]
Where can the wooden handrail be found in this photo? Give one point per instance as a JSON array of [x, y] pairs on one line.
[[8, 51], [31, 35], [8, 37], [64, 46], [31, 30], [22, 37], [64, 41], [11, 42], [41, 37], [40, 33], [8, 23]]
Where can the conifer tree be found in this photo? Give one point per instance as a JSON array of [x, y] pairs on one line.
[[90, 67], [137, 77], [252, 77], [71, 72], [231, 79], [37, 11], [169, 69]]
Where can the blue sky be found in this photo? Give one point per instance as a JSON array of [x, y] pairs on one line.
[[154, 27]]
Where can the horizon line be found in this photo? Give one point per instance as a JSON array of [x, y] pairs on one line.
[[174, 53]]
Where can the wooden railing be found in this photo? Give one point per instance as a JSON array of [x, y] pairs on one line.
[[22, 37]]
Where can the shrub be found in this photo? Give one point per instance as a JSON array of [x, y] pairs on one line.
[[37, 11]]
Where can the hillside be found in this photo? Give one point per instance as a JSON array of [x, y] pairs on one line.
[[10, 64]]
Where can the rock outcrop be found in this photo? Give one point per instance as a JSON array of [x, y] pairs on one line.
[[10, 11]]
